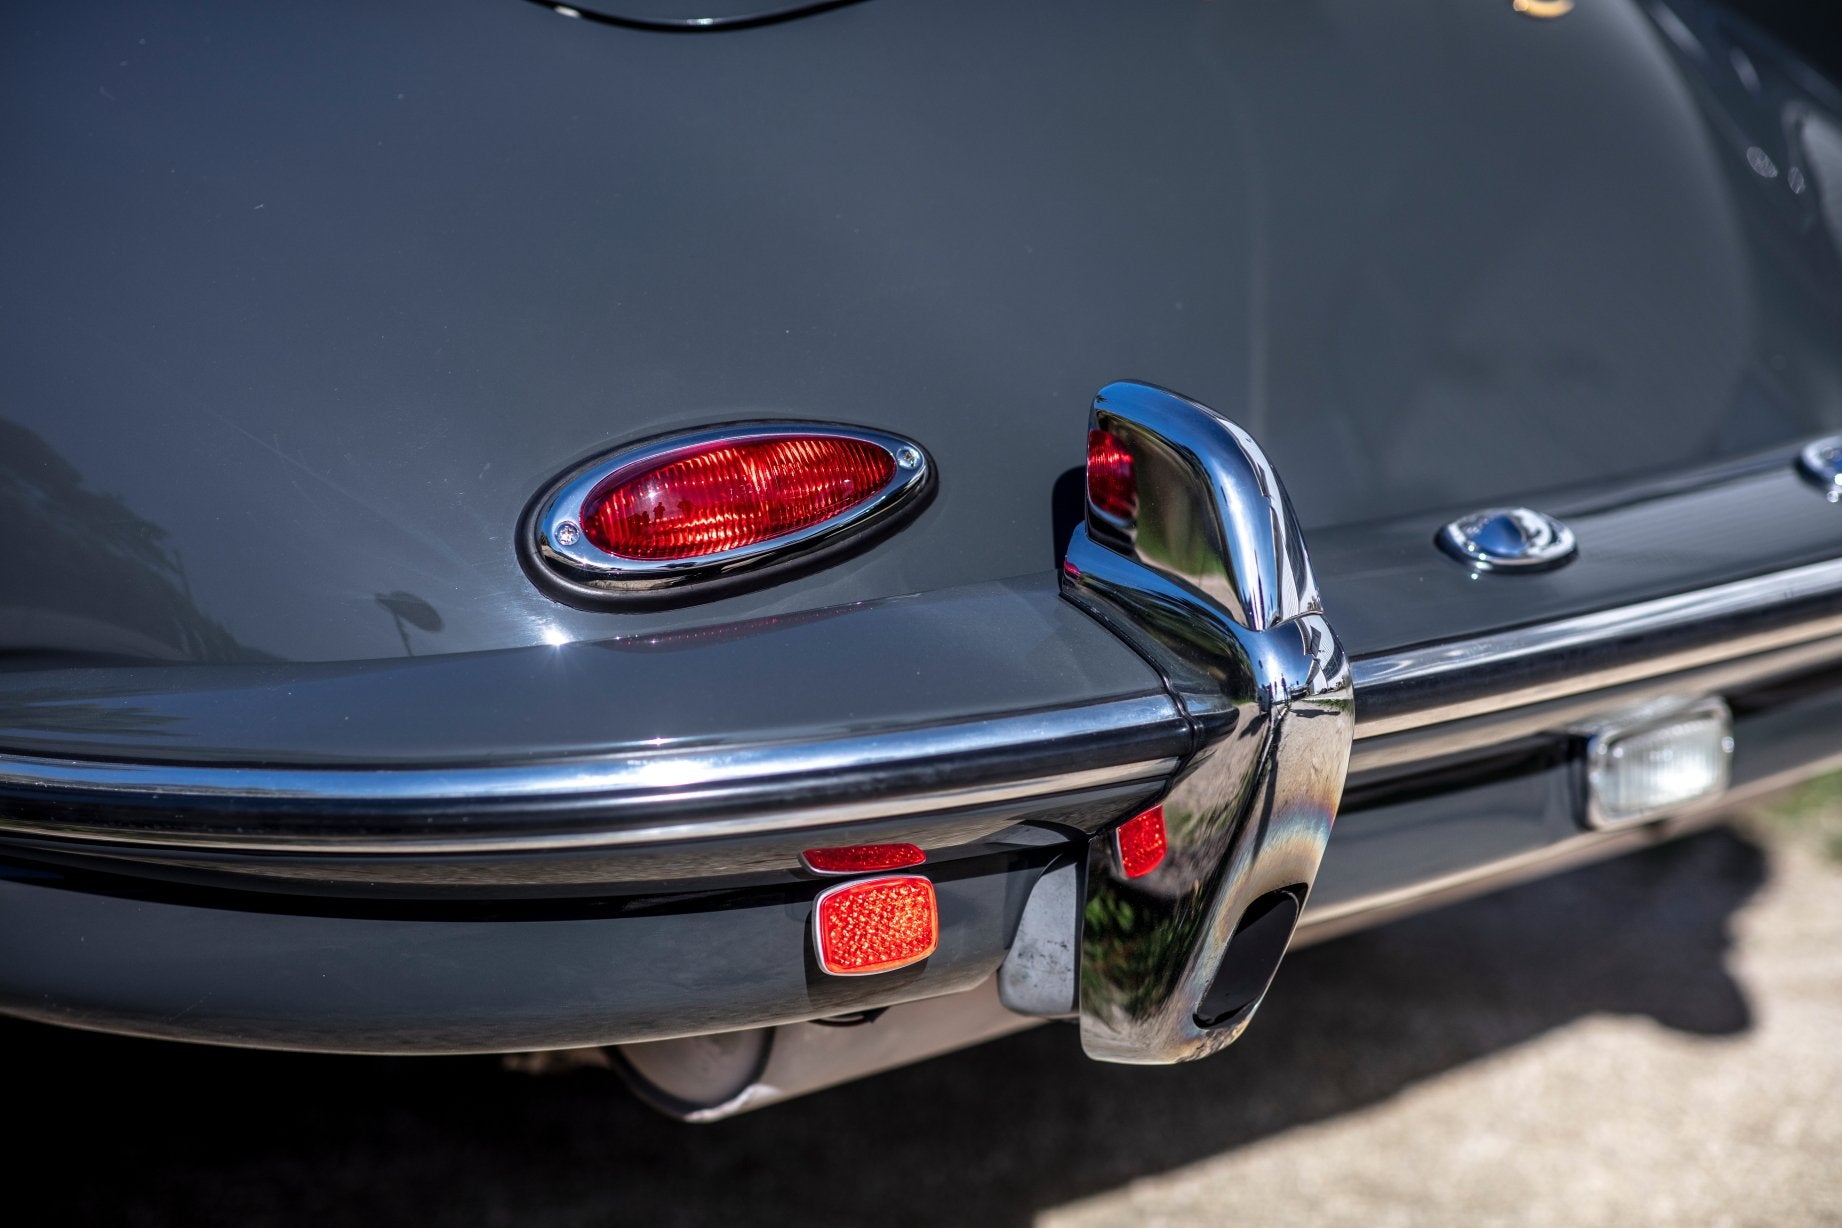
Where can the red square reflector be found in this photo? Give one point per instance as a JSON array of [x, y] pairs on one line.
[[875, 924], [1141, 842], [862, 858]]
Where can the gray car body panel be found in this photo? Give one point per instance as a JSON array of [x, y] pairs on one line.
[[976, 652], [306, 302]]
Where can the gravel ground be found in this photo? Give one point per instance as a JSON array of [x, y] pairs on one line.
[[1657, 1040]]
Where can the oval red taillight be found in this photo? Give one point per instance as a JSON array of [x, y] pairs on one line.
[[729, 495], [718, 507]]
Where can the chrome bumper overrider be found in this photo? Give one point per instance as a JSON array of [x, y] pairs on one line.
[[1210, 580]]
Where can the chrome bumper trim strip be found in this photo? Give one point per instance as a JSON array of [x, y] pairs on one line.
[[1481, 733], [1438, 683], [650, 774], [690, 784], [919, 803]]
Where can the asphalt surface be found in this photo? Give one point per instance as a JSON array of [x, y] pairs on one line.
[[1657, 1040]]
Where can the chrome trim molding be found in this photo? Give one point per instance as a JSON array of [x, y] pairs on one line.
[[794, 819], [654, 773], [633, 785], [1430, 685], [555, 539], [1494, 729], [1209, 579]]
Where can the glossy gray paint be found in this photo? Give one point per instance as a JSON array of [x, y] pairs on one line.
[[959, 656], [305, 301]]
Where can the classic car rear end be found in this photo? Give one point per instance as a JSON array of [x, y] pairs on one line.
[[322, 729]]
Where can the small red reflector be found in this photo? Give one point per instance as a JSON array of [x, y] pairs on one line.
[[1111, 487], [724, 496], [875, 925], [862, 858], [1141, 841]]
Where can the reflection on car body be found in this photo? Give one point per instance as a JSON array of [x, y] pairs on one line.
[[775, 548]]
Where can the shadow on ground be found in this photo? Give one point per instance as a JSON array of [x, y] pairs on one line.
[[142, 1132]]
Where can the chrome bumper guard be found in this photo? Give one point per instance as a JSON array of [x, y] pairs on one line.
[[1206, 575]]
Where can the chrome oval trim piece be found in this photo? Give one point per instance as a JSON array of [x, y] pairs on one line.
[[554, 540], [1211, 582], [1821, 461], [1429, 685], [1508, 539], [196, 809]]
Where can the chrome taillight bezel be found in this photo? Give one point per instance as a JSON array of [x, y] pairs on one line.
[[561, 555]]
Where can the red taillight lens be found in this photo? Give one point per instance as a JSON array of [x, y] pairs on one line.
[[862, 858], [728, 495], [1142, 842], [876, 925], [1111, 487]]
